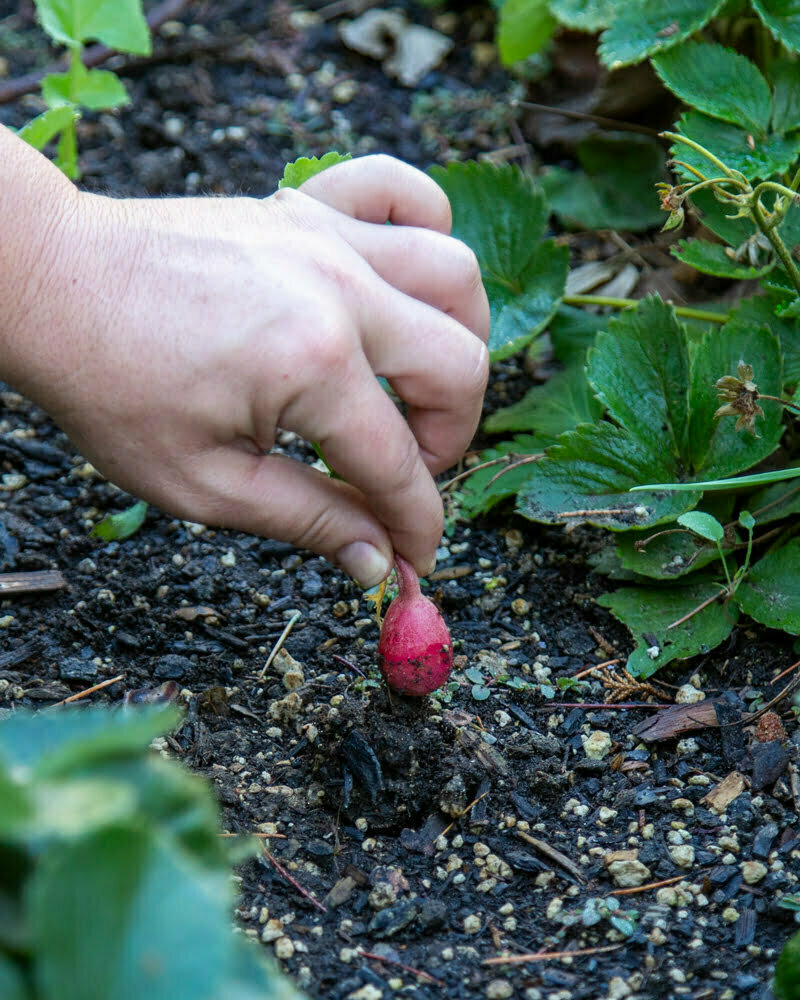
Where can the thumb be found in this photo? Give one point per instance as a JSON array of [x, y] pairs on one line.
[[278, 497]]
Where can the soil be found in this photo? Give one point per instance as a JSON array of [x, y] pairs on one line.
[[423, 838]]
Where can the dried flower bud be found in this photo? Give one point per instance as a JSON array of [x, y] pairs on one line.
[[738, 396]]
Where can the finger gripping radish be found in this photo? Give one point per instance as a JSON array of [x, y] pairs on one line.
[[415, 653]]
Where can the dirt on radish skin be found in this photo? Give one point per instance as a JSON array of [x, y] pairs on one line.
[[415, 653]]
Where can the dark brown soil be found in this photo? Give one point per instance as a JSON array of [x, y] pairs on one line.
[[434, 835]]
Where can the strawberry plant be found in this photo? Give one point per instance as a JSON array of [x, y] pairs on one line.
[[114, 881], [120, 25], [644, 399]]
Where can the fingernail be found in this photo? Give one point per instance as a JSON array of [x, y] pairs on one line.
[[366, 564]]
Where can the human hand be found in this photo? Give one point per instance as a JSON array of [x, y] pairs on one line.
[[182, 333]]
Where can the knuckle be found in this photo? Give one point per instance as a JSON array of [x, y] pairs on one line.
[[316, 530], [333, 346], [406, 467]]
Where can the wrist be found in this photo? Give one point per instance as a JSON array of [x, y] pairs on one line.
[[39, 215]]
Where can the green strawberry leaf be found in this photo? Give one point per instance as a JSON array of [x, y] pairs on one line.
[[712, 258], [649, 613], [136, 939], [740, 93], [614, 188], [305, 167], [563, 402], [717, 449], [756, 158], [770, 593], [642, 27], [672, 552], [776, 501], [782, 17], [639, 369], [488, 486], [587, 475], [785, 92], [501, 214], [584, 15]]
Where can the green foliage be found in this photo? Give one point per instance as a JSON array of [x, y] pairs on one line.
[[117, 527], [642, 405], [641, 28], [304, 168], [787, 971], [614, 187], [115, 881], [119, 24], [525, 27], [502, 214], [46, 126], [715, 259], [771, 591], [654, 391], [653, 441], [93, 89], [782, 18], [650, 613], [739, 95]]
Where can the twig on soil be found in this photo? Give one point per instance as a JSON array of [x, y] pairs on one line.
[[293, 881], [594, 705], [752, 716], [258, 836], [95, 55], [347, 663], [401, 965], [650, 885], [553, 855], [463, 812], [277, 647], [591, 670], [788, 670], [541, 956], [31, 582], [88, 691]]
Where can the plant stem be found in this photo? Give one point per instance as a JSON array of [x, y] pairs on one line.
[[769, 230], [733, 175], [725, 567], [615, 303], [784, 402]]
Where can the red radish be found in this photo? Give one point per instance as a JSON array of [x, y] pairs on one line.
[[414, 650]]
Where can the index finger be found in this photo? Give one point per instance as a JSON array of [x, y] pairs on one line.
[[382, 189]]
